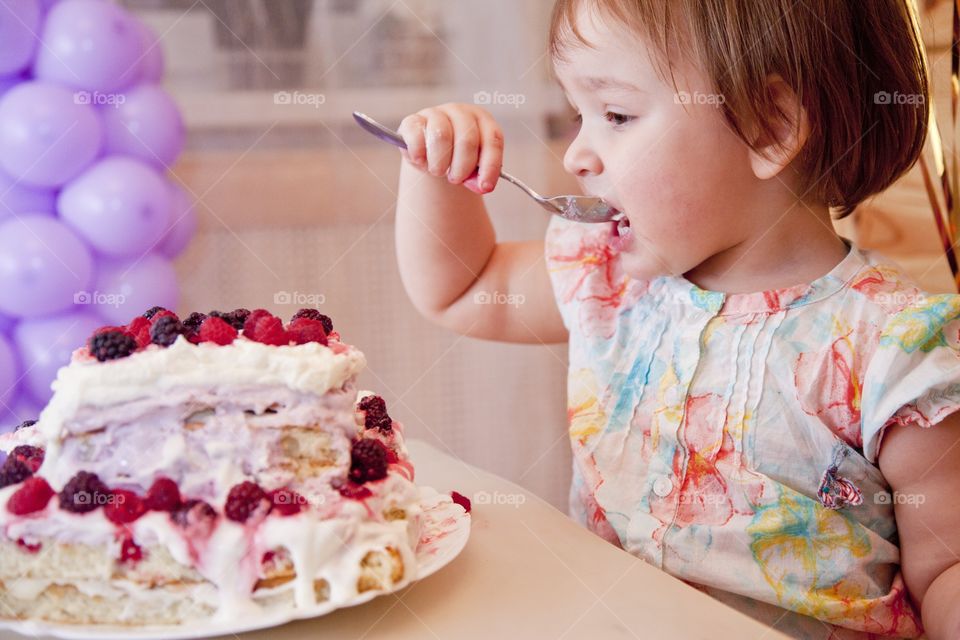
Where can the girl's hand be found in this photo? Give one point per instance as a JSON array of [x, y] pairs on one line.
[[461, 141]]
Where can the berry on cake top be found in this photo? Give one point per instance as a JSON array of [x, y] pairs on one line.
[[162, 327]]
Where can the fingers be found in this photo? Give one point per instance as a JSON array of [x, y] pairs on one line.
[[466, 145], [461, 142], [412, 131], [491, 154], [439, 140]]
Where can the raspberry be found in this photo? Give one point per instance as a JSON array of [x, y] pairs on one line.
[[33, 496], [28, 547], [112, 344], [313, 314], [461, 500], [368, 461], [30, 456], [375, 413], [286, 502], [235, 318], [304, 330], [351, 490], [123, 507], [244, 500], [264, 327], [196, 516], [13, 472], [139, 328], [152, 311], [130, 552], [25, 425], [84, 493], [166, 330], [163, 495], [193, 321], [216, 330]]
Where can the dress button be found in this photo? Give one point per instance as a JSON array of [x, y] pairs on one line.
[[662, 486]]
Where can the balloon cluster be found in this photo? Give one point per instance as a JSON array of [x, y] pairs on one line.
[[89, 222]]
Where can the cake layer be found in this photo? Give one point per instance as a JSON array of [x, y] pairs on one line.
[[200, 439], [120, 601], [155, 371]]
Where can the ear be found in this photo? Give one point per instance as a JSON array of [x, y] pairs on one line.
[[790, 129]]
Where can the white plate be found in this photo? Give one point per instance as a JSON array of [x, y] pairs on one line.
[[444, 532]]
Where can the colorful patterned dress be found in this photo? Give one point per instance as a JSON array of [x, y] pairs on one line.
[[731, 439]]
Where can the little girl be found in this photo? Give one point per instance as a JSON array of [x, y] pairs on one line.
[[735, 365]]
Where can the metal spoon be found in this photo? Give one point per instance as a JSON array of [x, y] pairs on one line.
[[576, 208]]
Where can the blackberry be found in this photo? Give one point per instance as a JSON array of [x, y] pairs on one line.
[[25, 424], [235, 318], [368, 461], [152, 311], [376, 416], [84, 493], [28, 455], [166, 330], [13, 472], [193, 321], [313, 314], [112, 345]]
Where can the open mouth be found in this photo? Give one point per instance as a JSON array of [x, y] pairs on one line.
[[621, 225]]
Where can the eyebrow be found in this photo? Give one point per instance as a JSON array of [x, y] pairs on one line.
[[593, 83]]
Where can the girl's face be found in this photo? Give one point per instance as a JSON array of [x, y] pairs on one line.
[[667, 159]]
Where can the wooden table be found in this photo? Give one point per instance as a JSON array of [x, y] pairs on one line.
[[528, 572]]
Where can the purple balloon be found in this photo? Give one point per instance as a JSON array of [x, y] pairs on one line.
[[19, 21], [43, 266], [90, 45], [47, 136], [152, 65], [125, 289], [183, 220], [145, 124], [6, 324], [45, 345], [9, 83], [9, 371], [19, 198], [121, 206]]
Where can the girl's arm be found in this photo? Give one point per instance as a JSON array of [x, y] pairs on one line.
[[923, 469], [451, 265]]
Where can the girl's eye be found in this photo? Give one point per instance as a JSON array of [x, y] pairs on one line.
[[617, 119]]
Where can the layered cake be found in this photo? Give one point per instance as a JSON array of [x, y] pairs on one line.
[[205, 468]]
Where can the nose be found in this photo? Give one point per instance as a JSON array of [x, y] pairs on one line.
[[580, 160]]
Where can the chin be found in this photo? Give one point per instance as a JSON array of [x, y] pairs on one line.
[[643, 267]]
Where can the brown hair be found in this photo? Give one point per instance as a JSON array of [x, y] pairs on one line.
[[858, 68]]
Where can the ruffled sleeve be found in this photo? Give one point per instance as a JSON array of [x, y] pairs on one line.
[[588, 280], [914, 374]]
